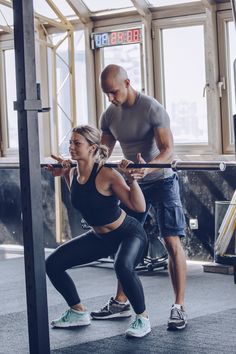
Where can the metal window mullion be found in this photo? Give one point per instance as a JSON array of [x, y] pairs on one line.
[[42, 64], [55, 149], [3, 101], [223, 18], [71, 48], [90, 77], [147, 62], [212, 74]]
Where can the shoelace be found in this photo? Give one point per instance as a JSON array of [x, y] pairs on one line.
[[107, 306], [66, 315], [137, 323], [176, 313]]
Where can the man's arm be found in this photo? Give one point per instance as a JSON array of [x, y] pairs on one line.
[[164, 141], [108, 140]]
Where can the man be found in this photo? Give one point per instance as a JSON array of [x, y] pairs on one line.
[[142, 127]]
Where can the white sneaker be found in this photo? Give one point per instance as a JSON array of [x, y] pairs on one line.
[[72, 318], [140, 327]]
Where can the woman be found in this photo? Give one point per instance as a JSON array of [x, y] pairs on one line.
[[96, 191]]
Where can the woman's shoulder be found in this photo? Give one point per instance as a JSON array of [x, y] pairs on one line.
[[108, 173]]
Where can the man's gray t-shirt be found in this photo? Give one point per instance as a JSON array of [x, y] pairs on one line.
[[134, 127]]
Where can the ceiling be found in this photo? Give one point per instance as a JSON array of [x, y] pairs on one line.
[[55, 12]]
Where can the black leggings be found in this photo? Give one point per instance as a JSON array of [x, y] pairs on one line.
[[127, 242]]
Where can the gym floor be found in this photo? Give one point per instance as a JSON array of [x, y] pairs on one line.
[[210, 304]]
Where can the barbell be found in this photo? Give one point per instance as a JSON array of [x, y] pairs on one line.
[[175, 165]]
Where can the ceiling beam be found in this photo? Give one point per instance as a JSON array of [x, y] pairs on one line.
[[6, 3], [59, 14], [6, 29], [208, 3], [51, 22], [80, 10], [142, 7]]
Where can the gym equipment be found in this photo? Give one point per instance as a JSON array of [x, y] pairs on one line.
[[175, 165]]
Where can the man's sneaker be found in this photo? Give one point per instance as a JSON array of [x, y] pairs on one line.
[[139, 327], [178, 318], [113, 309], [72, 318]]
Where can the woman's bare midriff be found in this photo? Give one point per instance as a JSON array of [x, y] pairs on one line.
[[110, 227]]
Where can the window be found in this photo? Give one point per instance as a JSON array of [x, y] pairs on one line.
[[227, 55], [8, 116], [65, 101], [127, 56], [183, 52], [10, 77], [231, 44], [104, 5], [81, 80], [186, 82], [59, 79]]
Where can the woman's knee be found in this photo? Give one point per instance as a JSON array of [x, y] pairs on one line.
[[51, 264], [123, 268]]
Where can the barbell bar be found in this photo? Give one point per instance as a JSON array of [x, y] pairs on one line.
[[176, 165]]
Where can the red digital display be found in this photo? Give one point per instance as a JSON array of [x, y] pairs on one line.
[[107, 39]]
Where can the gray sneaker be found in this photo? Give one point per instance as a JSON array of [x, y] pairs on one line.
[[113, 309], [178, 319], [72, 318]]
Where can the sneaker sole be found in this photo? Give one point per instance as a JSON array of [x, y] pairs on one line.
[[173, 326], [137, 335], [114, 315], [66, 325]]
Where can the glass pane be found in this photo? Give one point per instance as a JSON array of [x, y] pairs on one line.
[[106, 5], [57, 37], [10, 78], [63, 91], [184, 80], [127, 56], [157, 3], [42, 8], [63, 94], [64, 7], [231, 58], [6, 16], [81, 80]]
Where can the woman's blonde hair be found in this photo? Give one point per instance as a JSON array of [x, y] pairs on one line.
[[93, 137]]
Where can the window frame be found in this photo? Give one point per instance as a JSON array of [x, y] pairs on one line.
[[214, 145], [223, 17], [5, 150]]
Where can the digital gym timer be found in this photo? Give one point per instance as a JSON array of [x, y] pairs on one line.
[[107, 39]]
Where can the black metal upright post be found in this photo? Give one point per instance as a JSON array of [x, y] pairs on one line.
[[27, 106]]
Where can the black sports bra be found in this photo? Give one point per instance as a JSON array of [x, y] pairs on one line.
[[96, 209]]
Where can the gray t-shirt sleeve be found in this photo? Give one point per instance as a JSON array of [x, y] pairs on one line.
[[104, 126], [158, 117]]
